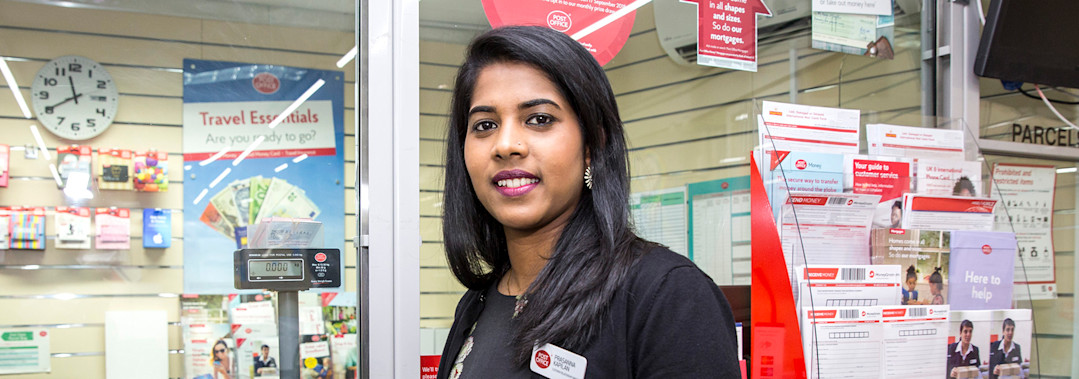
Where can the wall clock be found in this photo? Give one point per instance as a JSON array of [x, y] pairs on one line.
[[74, 97]]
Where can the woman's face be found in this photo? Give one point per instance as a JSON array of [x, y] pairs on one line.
[[220, 352], [523, 150]]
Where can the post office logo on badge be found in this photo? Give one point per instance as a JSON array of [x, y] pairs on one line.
[[559, 20], [543, 360], [266, 83]]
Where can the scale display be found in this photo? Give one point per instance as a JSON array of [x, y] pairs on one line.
[[287, 269]]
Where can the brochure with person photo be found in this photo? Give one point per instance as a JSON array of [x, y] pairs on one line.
[[923, 257]]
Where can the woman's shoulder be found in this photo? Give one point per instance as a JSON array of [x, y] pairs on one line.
[[661, 270]]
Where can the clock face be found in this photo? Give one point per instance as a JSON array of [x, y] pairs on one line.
[[74, 97]]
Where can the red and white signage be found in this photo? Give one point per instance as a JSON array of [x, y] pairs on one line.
[[569, 17], [848, 285], [727, 33], [1027, 194], [947, 212], [235, 126]]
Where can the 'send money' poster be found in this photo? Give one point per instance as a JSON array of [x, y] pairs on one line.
[[259, 141]]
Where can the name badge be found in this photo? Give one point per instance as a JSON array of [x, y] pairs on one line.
[[557, 363], [1015, 359], [972, 361]]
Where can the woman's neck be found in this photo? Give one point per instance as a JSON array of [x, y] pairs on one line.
[[528, 253]]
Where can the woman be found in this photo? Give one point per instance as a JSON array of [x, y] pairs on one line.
[[536, 225], [222, 361]]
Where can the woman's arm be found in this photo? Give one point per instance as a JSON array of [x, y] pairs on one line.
[[686, 329]]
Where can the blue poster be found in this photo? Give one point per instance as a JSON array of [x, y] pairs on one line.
[[259, 141]]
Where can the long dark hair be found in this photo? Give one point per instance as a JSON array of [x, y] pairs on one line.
[[569, 298]]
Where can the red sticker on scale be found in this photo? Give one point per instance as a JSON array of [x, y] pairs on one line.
[[320, 257], [568, 16]]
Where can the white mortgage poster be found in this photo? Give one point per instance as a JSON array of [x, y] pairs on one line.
[[913, 142], [24, 351], [1025, 194], [660, 216], [793, 127], [719, 229]]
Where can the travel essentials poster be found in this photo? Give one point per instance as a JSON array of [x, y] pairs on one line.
[[246, 159], [1025, 194]]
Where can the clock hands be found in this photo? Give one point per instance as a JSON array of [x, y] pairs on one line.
[[66, 100], [73, 95]]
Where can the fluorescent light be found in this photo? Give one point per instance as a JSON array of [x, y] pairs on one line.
[[167, 295], [248, 150], [296, 104], [281, 167], [1066, 170], [31, 267], [741, 117], [40, 142], [347, 58], [609, 19], [78, 186], [55, 174], [299, 158], [64, 296], [14, 88], [732, 159]]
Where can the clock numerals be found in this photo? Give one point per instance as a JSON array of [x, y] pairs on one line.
[[43, 95], [51, 82], [48, 110], [61, 122], [98, 98], [101, 84], [72, 100], [75, 126], [101, 111], [74, 67], [91, 123]]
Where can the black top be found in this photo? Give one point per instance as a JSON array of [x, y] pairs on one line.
[[957, 359], [668, 320], [997, 356], [490, 355]]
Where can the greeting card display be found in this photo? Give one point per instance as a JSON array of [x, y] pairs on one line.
[[73, 161], [151, 171], [113, 228], [114, 167], [5, 224], [27, 228], [156, 227], [72, 228], [5, 152]]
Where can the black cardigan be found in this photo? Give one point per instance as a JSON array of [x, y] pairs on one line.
[[669, 320]]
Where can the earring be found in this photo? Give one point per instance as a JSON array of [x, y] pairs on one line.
[[588, 177]]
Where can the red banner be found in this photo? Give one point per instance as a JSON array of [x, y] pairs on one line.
[[727, 32]]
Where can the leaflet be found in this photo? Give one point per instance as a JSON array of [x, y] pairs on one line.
[[24, 351], [842, 342], [947, 212], [847, 285], [960, 355], [1014, 357], [923, 257], [918, 143], [795, 171], [914, 341], [1026, 196], [826, 229], [250, 338], [793, 127], [258, 312], [982, 268], [935, 177], [888, 177]]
